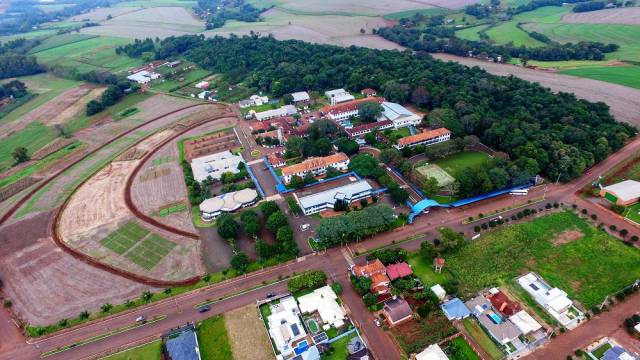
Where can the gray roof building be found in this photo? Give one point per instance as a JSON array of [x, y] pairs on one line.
[[182, 344], [501, 329], [326, 199]]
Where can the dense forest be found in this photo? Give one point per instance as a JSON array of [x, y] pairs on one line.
[[24, 15], [217, 12], [558, 135], [13, 89], [14, 61], [435, 37]]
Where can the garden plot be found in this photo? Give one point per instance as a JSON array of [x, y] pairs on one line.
[[435, 171]]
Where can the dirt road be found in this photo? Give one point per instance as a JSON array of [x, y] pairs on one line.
[[624, 101]]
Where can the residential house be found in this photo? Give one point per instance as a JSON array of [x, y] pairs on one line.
[[500, 329], [533, 332], [368, 92], [338, 96], [399, 270], [433, 352], [316, 166], [323, 301], [254, 100], [181, 344], [173, 64], [439, 291], [286, 329], [623, 193], [553, 300], [397, 311], [502, 303], [301, 97], [424, 138], [286, 110], [215, 165], [143, 77], [204, 85], [324, 200], [343, 111], [376, 271], [455, 309], [399, 115], [357, 350]]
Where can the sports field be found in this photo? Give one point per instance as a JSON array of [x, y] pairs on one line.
[[468, 159], [564, 249], [633, 213], [435, 171]]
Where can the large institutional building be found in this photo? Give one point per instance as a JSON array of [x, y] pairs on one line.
[[424, 138], [316, 166], [326, 199], [215, 165]]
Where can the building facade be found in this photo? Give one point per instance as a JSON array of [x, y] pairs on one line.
[[326, 199], [424, 138], [317, 166]]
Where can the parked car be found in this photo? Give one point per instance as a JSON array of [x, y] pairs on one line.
[[141, 319], [377, 322], [271, 294], [304, 227], [204, 309]]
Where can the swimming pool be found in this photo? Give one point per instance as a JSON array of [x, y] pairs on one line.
[[495, 317]]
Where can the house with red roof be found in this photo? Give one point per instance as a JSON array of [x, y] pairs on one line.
[[368, 92], [375, 271], [502, 303], [398, 271]]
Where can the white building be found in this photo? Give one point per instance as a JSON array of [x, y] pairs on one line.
[[228, 202], [439, 291], [215, 165], [424, 138], [254, 100], [286, 110], [344, 111], [316, 166], [433, 352], [399, 115], [326, 199], [553, 300], [323, 300], [285, 326], [525, 322], [338, 96], [301, 97], [143, 77]]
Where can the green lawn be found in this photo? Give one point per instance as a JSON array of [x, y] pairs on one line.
[[482, 339], [622, 75], [633, 213], [471, 33], [581, 267], [33, 137], [508, 32], [213, 339], [465, 351], [150, 251], [599, 352], [424, 270], [456, 163], [150, 351], [340, 351]]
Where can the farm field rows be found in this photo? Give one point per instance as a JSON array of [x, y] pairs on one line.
[[630, 15], [576, 265]]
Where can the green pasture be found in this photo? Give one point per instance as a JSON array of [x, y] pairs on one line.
[[582, 267], [168, 85], [468, 159], [33, 137], [156, 3], [471, 33], [622, 75], [150, 351], [546, 14], [508, 32], [408, 13], [150, 251], [60, 40], [424, 270], [124, 238], [213, 339]]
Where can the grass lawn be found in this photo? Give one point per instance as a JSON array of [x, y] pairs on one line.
[[173, 85], [456, 163], [599, 352], [213, 339], [476, 332], [471, 33], [124, 238], [577, 267], [33, 137], [465, 351], [340, 351], [150, 251], [633, 213], [508, 32], [424, 270], [622, 75], [545, 14], [150, 351], [394, 135]]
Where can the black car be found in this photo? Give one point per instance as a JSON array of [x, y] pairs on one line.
[[270, 295], [204, 309]]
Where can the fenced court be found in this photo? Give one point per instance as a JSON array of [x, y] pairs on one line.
[[150, 251], [432, 170], [633, 213], [124, 238]]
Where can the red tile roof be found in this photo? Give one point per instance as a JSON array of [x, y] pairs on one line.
[[314, 163], [412, 139], [369, 126], [439, 261], [349, 105], [502, 303], [399, 270], [369, 269], [368, 91]]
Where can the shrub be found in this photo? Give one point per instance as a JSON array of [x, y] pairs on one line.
[[624, 232], [337, 288], [311, 279], [584, 211], [634, 238], [548, 206], [7, 303], [476, 228], [594, 217], [612, 227]]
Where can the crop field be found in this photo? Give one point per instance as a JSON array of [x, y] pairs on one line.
[[573, 263], [155, 3], [471, 33], [59, 40], [435, 171], [508, 32], [454, 164], [623, 75], [545, 14], [629, 16], [90, 54], [124, 238], [150, 251], [33, 137], [338, 7]]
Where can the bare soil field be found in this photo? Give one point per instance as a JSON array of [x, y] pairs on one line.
[[628, 16], [46, 284], [210, 144], [247, 334], [54, 109], [624, 101], [360, 7], [103, 13], [74, 109]]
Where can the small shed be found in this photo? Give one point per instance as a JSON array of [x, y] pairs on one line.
[[439, 291]]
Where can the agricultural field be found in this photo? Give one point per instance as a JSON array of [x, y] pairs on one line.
[[150, 351], [627, 75], [471, 33], [213, 339], [33, 137], [629, 16], [508, 32], [563, 248], [59, 40]]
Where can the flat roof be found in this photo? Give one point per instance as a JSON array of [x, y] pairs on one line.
[[329, 196], [215, 165]]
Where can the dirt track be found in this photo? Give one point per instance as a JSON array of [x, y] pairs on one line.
[[624, 101]]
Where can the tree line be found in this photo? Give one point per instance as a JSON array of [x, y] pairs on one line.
[[14, 61], [14, 88], [217, 12], [557, 133]]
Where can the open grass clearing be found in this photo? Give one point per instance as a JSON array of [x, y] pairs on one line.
[[471, 33], [425, 271], [150, 351], [481, 338], [508, 32], [622, 75], [213, 339], [454, 164], [466, 351], [545, 14], [582, 267]]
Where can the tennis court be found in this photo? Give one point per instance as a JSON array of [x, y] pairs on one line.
[[435, 171]]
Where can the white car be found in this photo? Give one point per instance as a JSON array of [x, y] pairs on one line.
[[141, 319], [304, 227], [377, 322]]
